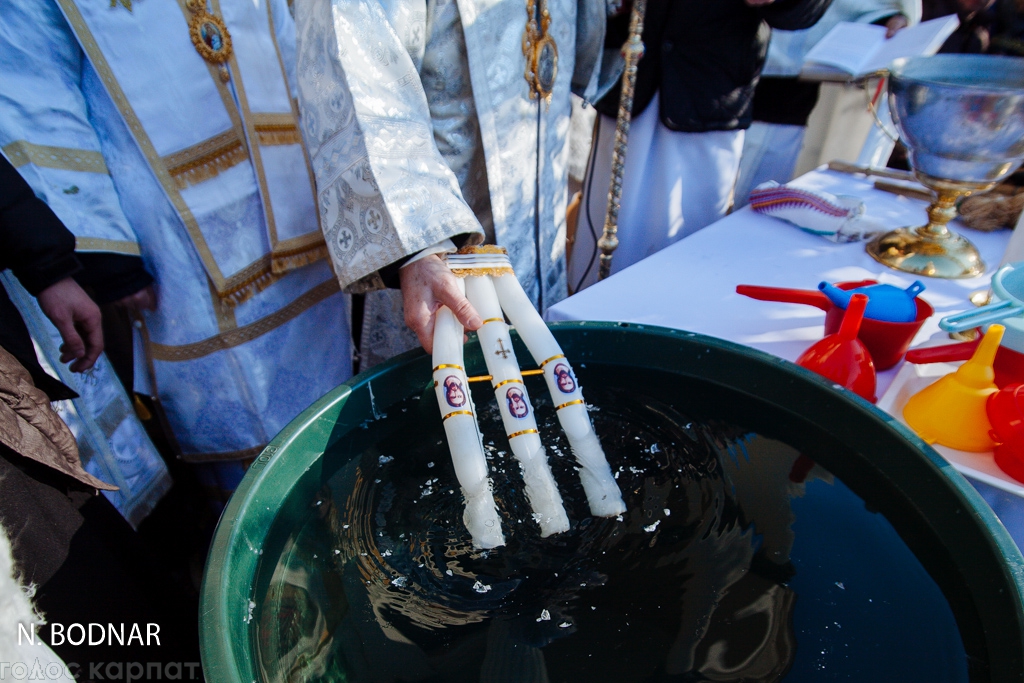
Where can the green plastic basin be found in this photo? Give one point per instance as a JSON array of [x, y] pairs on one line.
[[934, 510]]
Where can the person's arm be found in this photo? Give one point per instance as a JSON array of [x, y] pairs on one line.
[[385, 192], [40, 252], [790, 15]]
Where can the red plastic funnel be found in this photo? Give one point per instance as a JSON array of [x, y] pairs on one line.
[[1006, 413], [842, 357], [886, 341], [1005, 410]]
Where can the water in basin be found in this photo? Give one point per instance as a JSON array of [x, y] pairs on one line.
[[739, 559]]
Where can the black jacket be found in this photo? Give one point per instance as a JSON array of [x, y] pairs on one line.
[[705, 56], [40, 251]]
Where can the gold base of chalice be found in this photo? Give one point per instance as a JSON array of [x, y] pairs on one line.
[[931, 250], [962, 120]]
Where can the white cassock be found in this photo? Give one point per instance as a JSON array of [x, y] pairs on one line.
[[421, 127], [140, 147], [674, 184], [771, 150]]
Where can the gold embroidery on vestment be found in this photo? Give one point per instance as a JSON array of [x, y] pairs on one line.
[[245, 333], [100, 244], [22, 152], [262, 272]]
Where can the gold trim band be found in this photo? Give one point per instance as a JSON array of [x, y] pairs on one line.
[[278, 136], [99, 244], [507, 381], [480, 272], [447, 365], [298, 244], [525, 431], [270, 120], [23, 152], [483, 249], [561, 355], [493, 320], [570, 403], [457, 412], [246, 333], [276, 129]]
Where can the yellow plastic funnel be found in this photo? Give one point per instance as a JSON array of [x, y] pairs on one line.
[[952, 411]]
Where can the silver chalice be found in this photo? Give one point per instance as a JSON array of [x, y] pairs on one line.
[[962, 120]]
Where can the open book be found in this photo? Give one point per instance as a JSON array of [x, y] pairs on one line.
[[852, 50]]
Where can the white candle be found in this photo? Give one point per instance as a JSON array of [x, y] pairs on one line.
[[516, 409], [603, 493], [460, 426]]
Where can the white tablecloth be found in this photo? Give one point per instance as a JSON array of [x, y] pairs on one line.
[[692, 285]]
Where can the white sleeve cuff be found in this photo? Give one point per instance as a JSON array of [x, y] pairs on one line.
[[445, 246]]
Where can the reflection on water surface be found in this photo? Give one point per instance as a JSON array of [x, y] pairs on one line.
[[739, 559]]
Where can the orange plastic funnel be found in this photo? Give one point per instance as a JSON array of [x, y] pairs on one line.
[[842, 357], [953, 410]]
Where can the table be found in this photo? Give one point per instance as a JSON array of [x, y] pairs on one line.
[[691, 285]]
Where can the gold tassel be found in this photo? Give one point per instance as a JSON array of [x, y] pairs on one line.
[[278, 265], [285, 262], [195, 171], [239, 294], [284, 135]]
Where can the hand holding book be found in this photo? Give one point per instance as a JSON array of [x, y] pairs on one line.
[[853, 50]]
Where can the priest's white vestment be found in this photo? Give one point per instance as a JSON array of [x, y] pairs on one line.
[[142, 146], [421, 126]]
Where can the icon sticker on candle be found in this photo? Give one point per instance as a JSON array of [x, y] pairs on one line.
[[564, 379], [454, 394], [517, 403]]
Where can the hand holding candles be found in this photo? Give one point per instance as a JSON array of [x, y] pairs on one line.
[[491, 286]]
